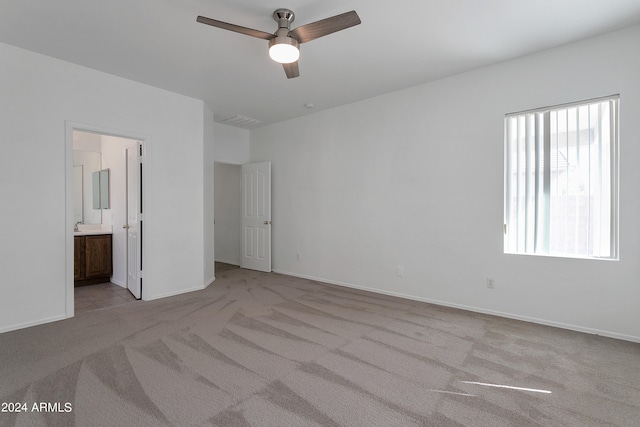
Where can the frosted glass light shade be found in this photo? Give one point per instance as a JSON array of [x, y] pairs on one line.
[[284, 50]]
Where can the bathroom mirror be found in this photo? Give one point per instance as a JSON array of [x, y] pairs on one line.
[[104, 189], [100, 187], [95, 186]]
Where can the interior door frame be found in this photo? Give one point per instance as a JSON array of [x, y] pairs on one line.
[[71, 126], [138, 178]]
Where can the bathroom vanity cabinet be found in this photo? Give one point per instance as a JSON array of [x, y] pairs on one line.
[[92, 259]]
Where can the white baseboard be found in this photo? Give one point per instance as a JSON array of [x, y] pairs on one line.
[[32, 323], [173, 294], [570, 327], [228, 262], [117, 282], [210, 281]]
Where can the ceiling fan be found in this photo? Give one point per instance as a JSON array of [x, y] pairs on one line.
[[284, 43]]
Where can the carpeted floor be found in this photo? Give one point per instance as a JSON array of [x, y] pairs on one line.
[[257, 349]]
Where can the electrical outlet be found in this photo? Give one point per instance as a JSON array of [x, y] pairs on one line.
[[490, 283], [400, 271]]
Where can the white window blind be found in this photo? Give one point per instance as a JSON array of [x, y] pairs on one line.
[[561, 180]]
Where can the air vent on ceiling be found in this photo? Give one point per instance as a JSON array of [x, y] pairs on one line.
[[241, 121]]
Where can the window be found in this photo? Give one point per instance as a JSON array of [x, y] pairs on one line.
[[561, 180]]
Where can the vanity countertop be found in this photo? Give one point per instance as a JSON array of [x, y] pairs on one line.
[[93, 229]]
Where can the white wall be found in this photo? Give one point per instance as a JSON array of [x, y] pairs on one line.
[[232, 144], [415, 179], [86, 141], [228, 211], [114, 159], [39, 96]]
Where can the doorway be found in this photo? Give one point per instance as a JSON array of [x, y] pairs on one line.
[[227, 193], [110, 148], [242, 211]]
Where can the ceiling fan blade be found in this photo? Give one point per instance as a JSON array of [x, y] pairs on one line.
[[312, 31], [291, 70], [236, 28]]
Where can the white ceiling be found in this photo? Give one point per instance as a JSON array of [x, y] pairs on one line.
[[399, 44]]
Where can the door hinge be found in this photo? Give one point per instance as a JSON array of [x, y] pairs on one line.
[[504, 228], [140, 275], [140, 217]]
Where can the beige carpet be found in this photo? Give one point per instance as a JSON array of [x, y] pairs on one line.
[[258, 349]]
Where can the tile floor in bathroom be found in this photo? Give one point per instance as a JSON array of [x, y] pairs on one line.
[[92, 297]]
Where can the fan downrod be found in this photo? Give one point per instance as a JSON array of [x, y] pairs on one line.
[[284, 18]]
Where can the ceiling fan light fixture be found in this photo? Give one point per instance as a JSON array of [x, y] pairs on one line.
[[283, 44], [284, 49]]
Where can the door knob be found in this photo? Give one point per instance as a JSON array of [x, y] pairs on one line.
[[125, 226], [267, 222]]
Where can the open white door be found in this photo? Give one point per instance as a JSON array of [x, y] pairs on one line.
[[134, 220], [256, 216]]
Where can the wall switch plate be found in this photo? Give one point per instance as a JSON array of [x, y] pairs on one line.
[[490, 283], [399, 271]]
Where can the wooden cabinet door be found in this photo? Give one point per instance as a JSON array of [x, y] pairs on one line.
[[78, 258], [98, 256]]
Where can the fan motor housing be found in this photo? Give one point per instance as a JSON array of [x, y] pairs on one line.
[[284, 40]]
